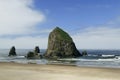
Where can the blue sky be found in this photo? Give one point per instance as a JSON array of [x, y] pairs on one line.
[[76, 14], [93, 24]]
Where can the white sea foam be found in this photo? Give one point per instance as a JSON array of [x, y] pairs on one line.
[[108, 56]]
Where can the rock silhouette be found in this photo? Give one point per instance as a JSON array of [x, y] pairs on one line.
[[12, 52], [37, 50], [61, 45]]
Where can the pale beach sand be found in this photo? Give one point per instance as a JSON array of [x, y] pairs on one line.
[[14, 71]]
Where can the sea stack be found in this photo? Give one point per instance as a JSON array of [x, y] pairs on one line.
[[37, 50], [61, 45], [12, 52]]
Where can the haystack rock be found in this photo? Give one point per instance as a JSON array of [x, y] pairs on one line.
[[61, 45], [12, 52]]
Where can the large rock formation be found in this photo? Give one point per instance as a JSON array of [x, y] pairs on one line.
[[12, 52], [61, 45]]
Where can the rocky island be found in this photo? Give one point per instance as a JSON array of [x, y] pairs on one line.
[[61, 45]]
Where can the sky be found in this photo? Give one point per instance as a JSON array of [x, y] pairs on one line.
[[93, 24]]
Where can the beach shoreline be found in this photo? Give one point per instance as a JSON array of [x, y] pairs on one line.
[[18, 71]]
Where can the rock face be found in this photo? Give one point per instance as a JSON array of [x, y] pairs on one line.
[[61, 45], [12, 52]]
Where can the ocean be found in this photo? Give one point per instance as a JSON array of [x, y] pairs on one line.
[[95, 58]]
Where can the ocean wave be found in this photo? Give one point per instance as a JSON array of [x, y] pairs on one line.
[[108, 56]]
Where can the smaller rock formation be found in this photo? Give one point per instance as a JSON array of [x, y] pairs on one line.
[[37, 50], [30, 54], [84, 53], [35, 54], [12, 52]]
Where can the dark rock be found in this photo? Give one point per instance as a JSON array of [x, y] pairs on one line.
[[33, 55], [41, 56], [12, 52], [30, 55], [37, 50], [84, 53], [61, 45]]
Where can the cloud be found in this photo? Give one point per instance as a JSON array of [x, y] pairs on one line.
[[98, 38], [26, 42], [105, 36], [101, 31], [18, 25], [19, 17]]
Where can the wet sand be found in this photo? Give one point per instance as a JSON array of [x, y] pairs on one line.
[[15, 71]]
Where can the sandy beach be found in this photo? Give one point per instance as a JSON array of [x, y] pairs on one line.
[[15, 71]]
